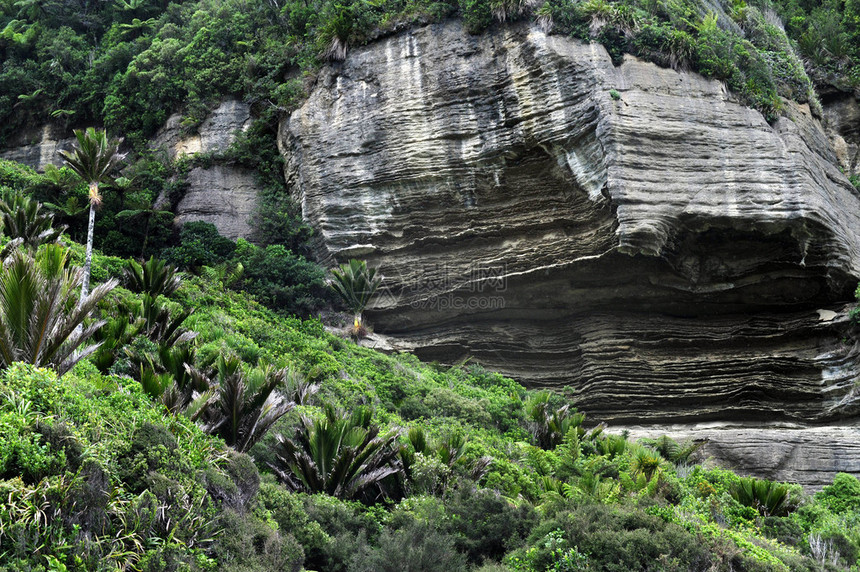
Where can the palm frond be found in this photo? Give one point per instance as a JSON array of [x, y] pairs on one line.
[[340, 454], [40, 321], [355, 283]]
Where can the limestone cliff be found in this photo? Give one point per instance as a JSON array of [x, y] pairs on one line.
[[214, 135], [39, 147], [223, 194], [633, 232], [842, 118]]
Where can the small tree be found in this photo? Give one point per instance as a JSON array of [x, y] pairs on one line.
[[94, 158], [40, 323], [356, 284], [23, 218], [145, 209], [340, 454]]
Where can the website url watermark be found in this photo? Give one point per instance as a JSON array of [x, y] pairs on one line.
[[445, 278], [445, 287], [452, 302]]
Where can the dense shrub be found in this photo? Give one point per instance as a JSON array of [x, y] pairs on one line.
[[486, 525], [843, 495], [114, 483], [282, 280], [200, 244], [624, 540], [419, 546], [349, 526], [249, 545]]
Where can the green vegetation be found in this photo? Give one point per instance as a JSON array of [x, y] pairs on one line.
[[93, 159], [24, 220], [41, 312], [198, 422], [133, 459], [339, 454], [129, 65], [356, 284], [240, 406]]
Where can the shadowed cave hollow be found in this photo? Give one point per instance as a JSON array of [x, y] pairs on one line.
[[723, 326]]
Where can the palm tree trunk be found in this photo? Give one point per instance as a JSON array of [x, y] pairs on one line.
[[145, 234], [88, 260]]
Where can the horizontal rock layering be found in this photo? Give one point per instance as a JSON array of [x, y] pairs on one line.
[[808, 455], [632, 232]]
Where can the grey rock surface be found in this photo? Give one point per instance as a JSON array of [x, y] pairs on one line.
[[39, 148], [842, 118], [633, 232], [807, 455], [223, 195], [214, 135]]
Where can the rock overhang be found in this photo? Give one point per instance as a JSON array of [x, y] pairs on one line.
[[634, 232]]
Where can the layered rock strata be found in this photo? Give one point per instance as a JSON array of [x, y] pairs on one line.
[[39, 147], [807, 455], [633, 232], [842, 119], [214, 135], [223, 195]]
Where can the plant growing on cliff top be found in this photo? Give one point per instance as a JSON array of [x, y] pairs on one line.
[[356, 284], [93, 159]]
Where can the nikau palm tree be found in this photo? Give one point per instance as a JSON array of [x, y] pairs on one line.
[[240, 405], [154, 277], [39, 317], [24, 219], [549, 425], [94, 158], [768, 497], [169, 378], [338, 454], [356, 284]]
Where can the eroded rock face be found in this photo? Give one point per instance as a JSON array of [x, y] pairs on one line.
[[214, 135], [632, 232], [225, 196], [39, 148], [221, 194], [842, 118], [807, 455]]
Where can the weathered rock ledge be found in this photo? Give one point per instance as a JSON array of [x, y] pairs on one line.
[[788, 453], [633, 232]]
